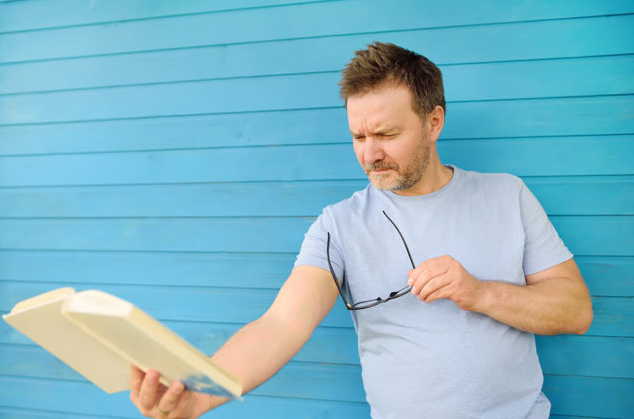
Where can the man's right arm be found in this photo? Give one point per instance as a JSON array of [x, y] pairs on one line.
[[256, 352]]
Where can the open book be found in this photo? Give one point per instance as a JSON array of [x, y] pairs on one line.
[[100, 335]]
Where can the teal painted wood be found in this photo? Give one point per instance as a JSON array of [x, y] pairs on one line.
[[227, 305], [45, 14], [313, 162], [332, 346], [613, 316], [497, 81], [568, 354], [600, 397], [13, 413], [260, 270], [590, 397], [330, 54], [605, 195], [611, 235], [304, 20], [482, 81], [606, 276], [337, 382], [124, 165], [253, 406], [52, 395], [588, 116], [584, 195]]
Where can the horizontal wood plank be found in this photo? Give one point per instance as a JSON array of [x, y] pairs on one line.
[[568, 395], [489, 81], [297, 21], [590, 356], [590, 397], [31, 413], [248, 270], [506, 43], [593, 236], [53, 396], [584, 235], [333, 345], [43, 15], [318, 381], [584, 195], [313, 162], [613, 316], [189, 304], [606, 276], [477, 120]]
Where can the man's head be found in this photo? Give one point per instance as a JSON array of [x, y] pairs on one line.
[[384, 64], [395, 105]]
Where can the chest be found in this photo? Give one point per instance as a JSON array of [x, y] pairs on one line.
[[487, 241]]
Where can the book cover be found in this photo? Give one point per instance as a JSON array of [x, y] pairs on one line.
[[100, 335]]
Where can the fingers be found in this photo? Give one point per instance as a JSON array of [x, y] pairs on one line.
[[136, 378], [155, 400], [145, 391], [148, 394], [429, 276], [445, 277], [170, 399]]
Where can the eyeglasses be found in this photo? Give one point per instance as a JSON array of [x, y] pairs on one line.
[[370, 303]]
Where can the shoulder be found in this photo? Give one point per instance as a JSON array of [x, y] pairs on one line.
[[352, 205], [491, 183]]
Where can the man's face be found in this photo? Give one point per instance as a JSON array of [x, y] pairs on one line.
[[389, 138]]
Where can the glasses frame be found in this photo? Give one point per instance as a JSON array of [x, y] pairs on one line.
[[361, 305]]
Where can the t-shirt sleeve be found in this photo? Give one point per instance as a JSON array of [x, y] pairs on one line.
[[313, 250], [543, 248]]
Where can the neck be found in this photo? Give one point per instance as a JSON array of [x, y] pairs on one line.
[[435, 177]]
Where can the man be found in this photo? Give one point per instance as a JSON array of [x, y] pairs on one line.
[[449, 338]]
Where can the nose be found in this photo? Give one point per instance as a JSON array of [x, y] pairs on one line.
[[372, 151]]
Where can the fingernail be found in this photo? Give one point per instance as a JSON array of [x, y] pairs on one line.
[[413, 290], [410, 281]]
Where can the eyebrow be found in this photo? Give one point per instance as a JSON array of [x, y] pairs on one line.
[[381, 131]]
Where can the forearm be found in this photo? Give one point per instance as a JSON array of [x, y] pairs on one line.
[[556, 306], [259, 350]]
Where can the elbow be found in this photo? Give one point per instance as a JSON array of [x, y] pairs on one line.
[[583, 320]]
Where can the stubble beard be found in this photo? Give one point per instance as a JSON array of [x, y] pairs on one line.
[[410, 176]]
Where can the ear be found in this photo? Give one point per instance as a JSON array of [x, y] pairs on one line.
[[435, 122]]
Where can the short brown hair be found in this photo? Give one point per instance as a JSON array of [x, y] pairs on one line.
[[384, 63]]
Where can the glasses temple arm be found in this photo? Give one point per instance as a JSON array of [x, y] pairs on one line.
[[402, 238], [334, 277]]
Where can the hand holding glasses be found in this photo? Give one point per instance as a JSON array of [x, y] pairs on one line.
[[370, 303]]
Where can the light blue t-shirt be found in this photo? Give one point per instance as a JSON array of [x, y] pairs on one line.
[[435, 360]]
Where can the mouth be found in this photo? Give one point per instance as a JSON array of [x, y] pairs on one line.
[[380, 171], [379, 168]]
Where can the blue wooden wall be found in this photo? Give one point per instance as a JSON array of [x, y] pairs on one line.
[[175, 152]]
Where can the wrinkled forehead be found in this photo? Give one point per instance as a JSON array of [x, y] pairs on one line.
[[379, 109]]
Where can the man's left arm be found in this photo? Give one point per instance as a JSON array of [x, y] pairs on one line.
[[553, 301]]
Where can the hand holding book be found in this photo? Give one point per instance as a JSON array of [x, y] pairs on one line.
[[155, 400], [100, 335]]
